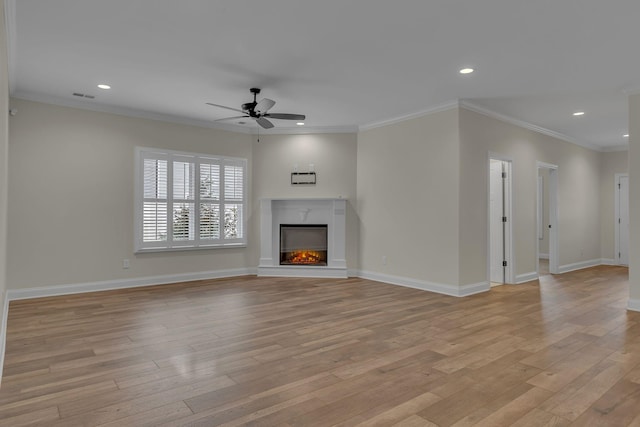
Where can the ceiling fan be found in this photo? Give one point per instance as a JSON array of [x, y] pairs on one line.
[[259, 111]]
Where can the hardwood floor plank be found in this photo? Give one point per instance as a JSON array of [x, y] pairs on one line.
[[515, 409], [617, 407], [153, 417], [414, 421], [540, 418], [402, 411], [580, 401], [39, 417], [312, 351], [562, 373]]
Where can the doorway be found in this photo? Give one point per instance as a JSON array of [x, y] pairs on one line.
[[500, 266], [547, 219], [622, 219]]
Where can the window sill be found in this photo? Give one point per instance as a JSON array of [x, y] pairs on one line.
[[191, 248]]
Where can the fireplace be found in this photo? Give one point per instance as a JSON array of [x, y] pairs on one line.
[[322, 220], [303, 244]]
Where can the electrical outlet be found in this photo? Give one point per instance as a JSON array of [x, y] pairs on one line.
[[125, 263], [384, 260]]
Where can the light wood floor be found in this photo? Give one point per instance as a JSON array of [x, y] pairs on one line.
[[543, 267], [294, 352]]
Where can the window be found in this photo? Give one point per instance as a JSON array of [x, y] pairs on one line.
[[188, 200]]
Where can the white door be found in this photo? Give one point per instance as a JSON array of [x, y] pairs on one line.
[[623, 220], [496, 226], [552, 225]]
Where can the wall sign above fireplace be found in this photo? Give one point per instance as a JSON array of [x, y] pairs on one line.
[[304, 178]]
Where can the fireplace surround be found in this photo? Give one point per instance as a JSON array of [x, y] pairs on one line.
[[308, 216]]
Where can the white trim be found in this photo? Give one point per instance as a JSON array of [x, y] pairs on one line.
[[443, 107], [3, 330], [451, 290], [633, 304], [540, 164], [579, 265], [616, 208], [107, 285], [517, 122], [613, 148], [276, 212], [10, 26], [635, 90], [554, 223], [509, 255], [141, 154], [526, 277], [302, 271], [543, 256]]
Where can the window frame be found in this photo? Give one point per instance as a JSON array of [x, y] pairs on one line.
[[170, 244]]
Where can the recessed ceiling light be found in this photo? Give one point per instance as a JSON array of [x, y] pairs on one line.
[[300, 123], [466, 71], [579, 113], [104, 86]]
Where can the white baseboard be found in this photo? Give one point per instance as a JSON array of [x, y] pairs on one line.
[[633, 304], [302, 271], [107, 285], [543, 256], [456, 291], [3, 329], [608, 261], [526, 277], [579, 265]]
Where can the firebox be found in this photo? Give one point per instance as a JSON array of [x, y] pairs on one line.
[[303, 244]]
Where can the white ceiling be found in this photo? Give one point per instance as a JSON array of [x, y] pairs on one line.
[[345, 64]]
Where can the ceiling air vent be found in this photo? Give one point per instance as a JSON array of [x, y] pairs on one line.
[[83, 95]]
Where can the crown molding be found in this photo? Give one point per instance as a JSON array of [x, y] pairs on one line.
[[443, 107], [130, 112], [614, 148], [521, 123], [127, 112], [10, 27], [299, 130], [634, 90]]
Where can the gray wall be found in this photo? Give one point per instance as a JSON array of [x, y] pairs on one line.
[[408, 203], [416, 192], [78, 166], [4, 174]]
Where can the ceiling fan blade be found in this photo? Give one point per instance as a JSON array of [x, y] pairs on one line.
[[231, 118], [264, 105], [228, 108], [264, 123], [285, 116]]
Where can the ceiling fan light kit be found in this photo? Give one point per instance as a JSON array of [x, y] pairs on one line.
[[259, 111]]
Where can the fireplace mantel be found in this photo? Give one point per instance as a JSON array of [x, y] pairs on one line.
[[274, 212]]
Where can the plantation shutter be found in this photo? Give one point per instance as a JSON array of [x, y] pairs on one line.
[[188, 200]]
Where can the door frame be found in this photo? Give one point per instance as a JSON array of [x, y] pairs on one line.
[[554, 254], [509, 272], [616, 216]]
